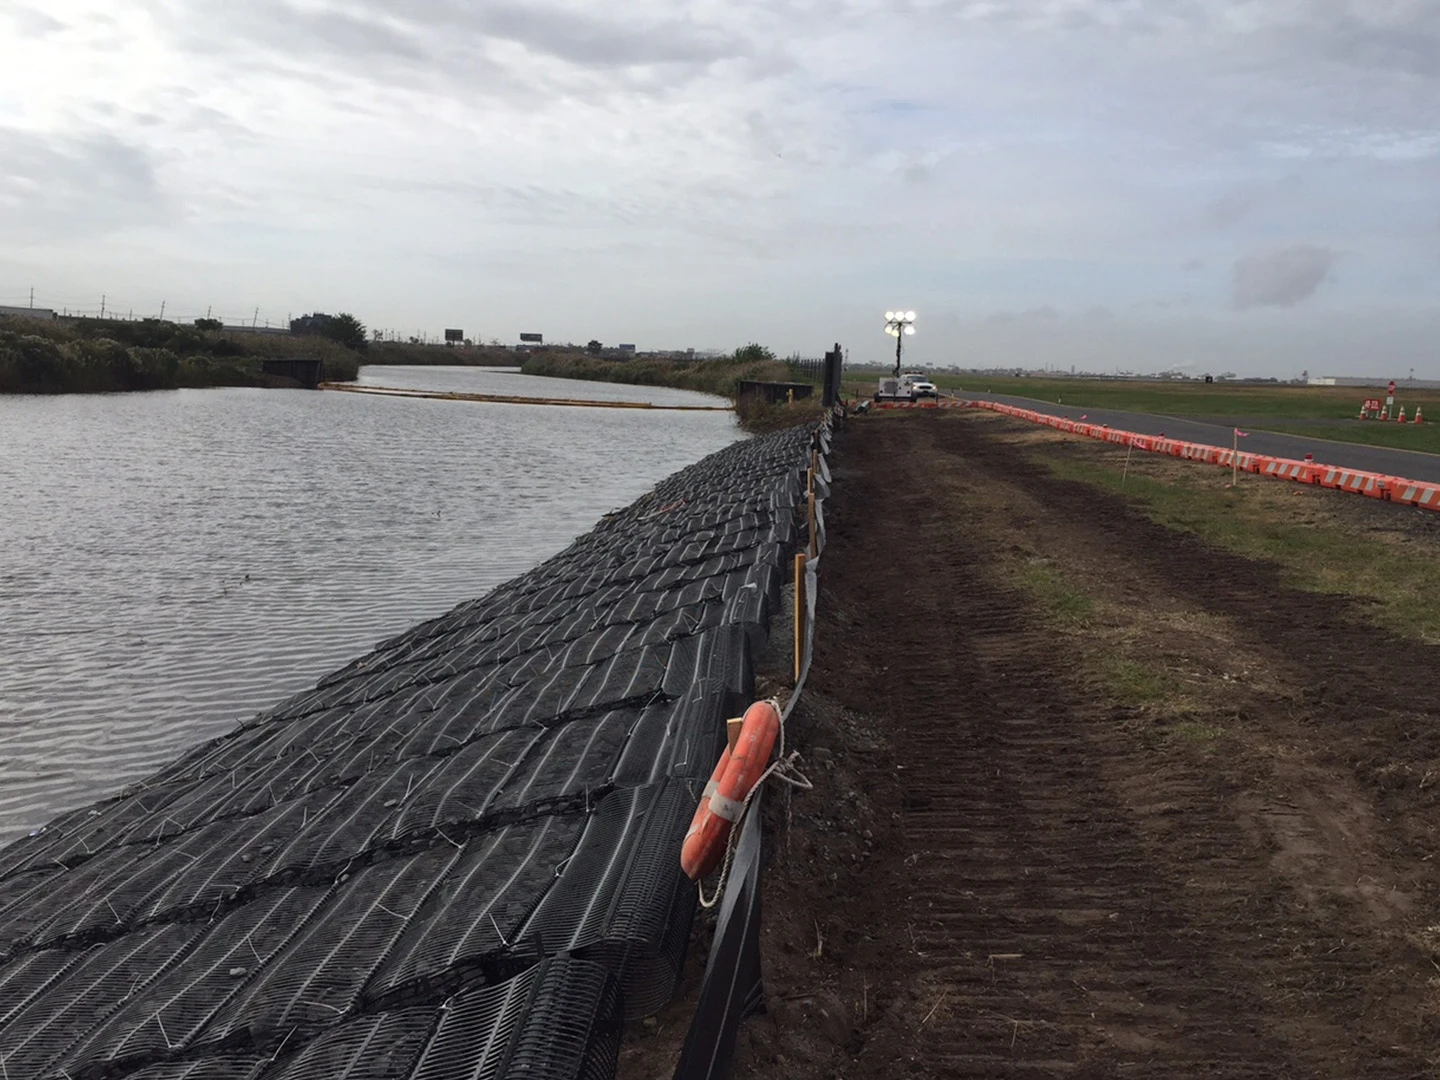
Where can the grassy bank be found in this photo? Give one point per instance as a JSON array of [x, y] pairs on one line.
[[1329, 542], [1321, 412], [705, 376], [403, 353], [717, 376], [98, 356]]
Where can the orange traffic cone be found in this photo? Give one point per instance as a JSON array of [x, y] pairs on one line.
[[1385, 413], [1362, 412], [1401, 418], [1417, 415]]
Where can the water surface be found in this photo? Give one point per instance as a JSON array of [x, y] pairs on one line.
[[173, 561]]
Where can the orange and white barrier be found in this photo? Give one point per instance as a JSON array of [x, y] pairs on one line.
[[1370, 484], [936, 403]]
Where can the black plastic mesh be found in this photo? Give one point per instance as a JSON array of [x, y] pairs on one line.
[[463, 785], [168, 1014], [67, 1010], [476, 911], [557, 1021], [350, 824], [25, 920], [318, 978], [228, 1068], [380, 1047], [26, 977], [567, 762], [622, 892]]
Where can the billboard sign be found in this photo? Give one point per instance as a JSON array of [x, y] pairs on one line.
[[532, 339], [454, 336], [626, 348]]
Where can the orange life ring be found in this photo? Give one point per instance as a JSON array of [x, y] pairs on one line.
[[724, 796]]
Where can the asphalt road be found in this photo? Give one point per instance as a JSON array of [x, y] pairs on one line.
[[1406, 464]]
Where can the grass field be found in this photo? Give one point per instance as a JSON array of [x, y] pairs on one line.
[[1324, 543], [1321, 412]]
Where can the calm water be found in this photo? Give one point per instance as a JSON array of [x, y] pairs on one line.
[[170, 562]]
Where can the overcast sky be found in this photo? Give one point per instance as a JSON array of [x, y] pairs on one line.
[[1204, 184]]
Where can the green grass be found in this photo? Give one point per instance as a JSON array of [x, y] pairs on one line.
[[1132, 683], [1195, 731], [1255, 520], [1065, 603], [717, 376], [1266, 406], [1424, 437], [1196, 398]]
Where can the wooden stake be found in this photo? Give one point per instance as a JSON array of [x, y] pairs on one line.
[[1125, 472], [799, 612], [1235, 459], [733, 727]]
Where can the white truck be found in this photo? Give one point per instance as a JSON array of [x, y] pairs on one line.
[[910, 386]]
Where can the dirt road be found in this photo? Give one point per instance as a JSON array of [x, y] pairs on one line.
[[1092, 799]]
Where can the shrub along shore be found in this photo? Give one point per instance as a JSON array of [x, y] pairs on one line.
[[83, 356], [718, 376]]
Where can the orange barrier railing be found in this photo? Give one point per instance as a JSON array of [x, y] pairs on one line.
[[1373, 485]]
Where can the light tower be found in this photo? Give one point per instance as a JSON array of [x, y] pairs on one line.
[[897, 325]]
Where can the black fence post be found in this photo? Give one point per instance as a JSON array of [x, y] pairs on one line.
[[834, 360]]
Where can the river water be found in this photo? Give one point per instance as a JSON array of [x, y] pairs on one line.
[[171, 562]]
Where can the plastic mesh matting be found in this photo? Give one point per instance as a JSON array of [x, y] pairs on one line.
[[620, 893], [230, 1068], [318, 978], [69, 1008], [557, 1021], [475, 913], [380, 1047], [167, 1014]]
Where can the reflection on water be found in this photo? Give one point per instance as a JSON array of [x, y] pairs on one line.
[[170, 562]]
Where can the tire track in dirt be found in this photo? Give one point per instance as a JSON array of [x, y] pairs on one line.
[[1073, 906], [1060, 945]]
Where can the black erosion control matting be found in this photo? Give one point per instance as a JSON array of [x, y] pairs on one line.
[[457, 857]]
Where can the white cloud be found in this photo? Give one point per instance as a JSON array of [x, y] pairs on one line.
[[707, 172]]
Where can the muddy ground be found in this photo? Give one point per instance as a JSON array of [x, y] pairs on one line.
[[1183, 825]]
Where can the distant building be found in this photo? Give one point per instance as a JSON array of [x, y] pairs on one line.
[[311, 324], [626, 349], [27, 312]]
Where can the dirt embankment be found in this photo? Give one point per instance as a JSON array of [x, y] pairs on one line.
[[1093, 799]]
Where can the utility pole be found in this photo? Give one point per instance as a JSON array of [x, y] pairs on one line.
[[256, 319], [162, 310], [102, 305], [32, 297]]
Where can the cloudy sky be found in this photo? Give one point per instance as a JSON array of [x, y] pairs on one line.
[[1250, 185]]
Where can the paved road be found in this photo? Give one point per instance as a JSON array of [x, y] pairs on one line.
[[1408, 464]]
